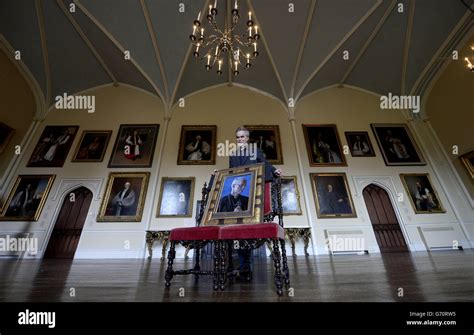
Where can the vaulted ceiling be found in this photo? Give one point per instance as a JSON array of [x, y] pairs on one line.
[[389, 44]]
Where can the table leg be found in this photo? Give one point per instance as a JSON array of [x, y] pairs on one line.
[[163, 249]]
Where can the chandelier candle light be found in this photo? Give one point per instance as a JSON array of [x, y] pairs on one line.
[[223, 45]]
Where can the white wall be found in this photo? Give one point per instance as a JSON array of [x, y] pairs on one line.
[[228, 108]]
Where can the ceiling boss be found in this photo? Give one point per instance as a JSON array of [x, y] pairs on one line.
[[222, 45]]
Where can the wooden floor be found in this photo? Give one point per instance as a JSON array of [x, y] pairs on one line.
[[441, 276]]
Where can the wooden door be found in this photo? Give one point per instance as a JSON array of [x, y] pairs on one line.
[[384, 221], [68, 227]]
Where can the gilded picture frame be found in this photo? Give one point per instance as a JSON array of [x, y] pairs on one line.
[[197, 145], [32, 191], [332, 196], [92, 146], [247, 205], [290, 196], [323, 145], [397, 145], [267, 138], [423, 199], [468, 160], [176, 197], [121, 203]]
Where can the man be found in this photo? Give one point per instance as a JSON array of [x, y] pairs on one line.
[[21, 203], [395, 146], [133, 145], [197, 149], [333, 203], [235, 201], [243, 157], [424, 198], [360, 148], [124, 201]]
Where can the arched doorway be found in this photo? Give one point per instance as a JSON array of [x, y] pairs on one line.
[[384, 220], [68, 227]]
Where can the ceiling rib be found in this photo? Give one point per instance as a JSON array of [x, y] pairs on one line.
[[465, 20], [183, 66], [406, 50], [87, 41], [119, 46], [369, 40], [343, 40], [303, 44], [270, 57], [44, 48], [151, 30]]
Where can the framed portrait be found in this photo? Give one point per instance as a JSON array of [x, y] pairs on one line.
[[176, 197], [6, 134], [134, 146], [468, 160], [359, 144], [236, 196], [423, 196], [332, 196], [124, 197], [197, 145], [267, 138], [27, 197], [92, 146], [290, 196], [323, 145], [53, 146], [396, 144]]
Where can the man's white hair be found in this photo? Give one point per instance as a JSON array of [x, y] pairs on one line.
[[245, 130], [240, 180]]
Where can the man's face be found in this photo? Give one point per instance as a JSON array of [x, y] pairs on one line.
[[127, 185], [418, 184], [237, 188], [329, 188], [198, 138], [242, 137]]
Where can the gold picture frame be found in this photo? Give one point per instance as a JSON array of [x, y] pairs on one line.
[[267, 138], [176, 197], [323, 145], [188, 154], [426, 203], [88, 149], [468, 160], [332, 196], [248, 207], [290, 196], [36, 188], [122, 204]]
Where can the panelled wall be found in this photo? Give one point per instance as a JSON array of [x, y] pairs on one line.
[[227, 108]]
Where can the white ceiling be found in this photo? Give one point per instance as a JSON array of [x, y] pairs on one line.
[[300, 52]]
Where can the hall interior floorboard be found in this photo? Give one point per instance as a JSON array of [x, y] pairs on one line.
[[441, 276]]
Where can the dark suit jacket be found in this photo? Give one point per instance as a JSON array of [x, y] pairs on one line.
[[226, 204], [236, 161]]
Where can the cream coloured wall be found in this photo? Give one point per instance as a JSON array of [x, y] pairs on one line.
[[354, 110], [17, 108], [450, 107], [229, 107]]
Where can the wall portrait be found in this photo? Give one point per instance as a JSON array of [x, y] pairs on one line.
[[176, 197], [134, 146], [27, 198], [53, 146], [332, 196], [92, 146], [323, 145], [124, 197], [197, 145]]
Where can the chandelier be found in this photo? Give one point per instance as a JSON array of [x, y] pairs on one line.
[[222, 45], [470, 64]]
